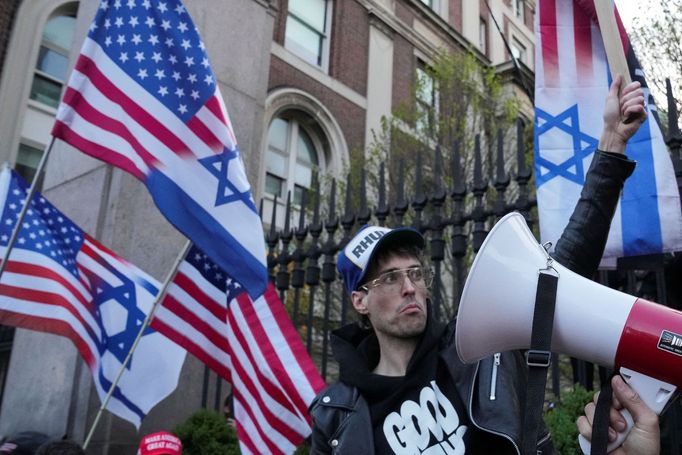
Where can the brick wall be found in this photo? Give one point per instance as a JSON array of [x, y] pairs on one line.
[[8, 9], [403, 70], [280, 22], [350, 116], [455, 14], [349, 46]]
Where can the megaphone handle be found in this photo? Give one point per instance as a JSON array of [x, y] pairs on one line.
[[585, 445], [653, 392]]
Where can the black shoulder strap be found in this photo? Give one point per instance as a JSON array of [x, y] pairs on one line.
[[600, 422], [538, 358]]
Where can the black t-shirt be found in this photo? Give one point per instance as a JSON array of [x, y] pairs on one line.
[[428, 418]]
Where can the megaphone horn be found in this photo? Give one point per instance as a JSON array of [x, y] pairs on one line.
[[591, 322]]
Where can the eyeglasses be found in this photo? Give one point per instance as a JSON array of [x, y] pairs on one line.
[[420, 277]]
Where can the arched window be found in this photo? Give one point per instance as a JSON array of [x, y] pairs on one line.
[[50, 74], [301, 139], [294, 154], [53, 58]]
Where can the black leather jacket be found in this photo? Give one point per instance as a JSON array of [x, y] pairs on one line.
[[341, 417]]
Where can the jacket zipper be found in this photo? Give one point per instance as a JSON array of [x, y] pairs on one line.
[[493, 377], [471, 415]]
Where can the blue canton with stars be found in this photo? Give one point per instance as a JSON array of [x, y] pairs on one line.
[[157, 45], [219, 166], [213, 273], [45, 230], [583, 146]]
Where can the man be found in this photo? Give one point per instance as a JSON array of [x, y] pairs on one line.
[[402, 388]]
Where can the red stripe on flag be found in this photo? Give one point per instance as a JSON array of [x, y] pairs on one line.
[[247, 406], [294, 340], [33, 270], [264, 347], [205, 134], [273, 420], [196, 350], [46, 298], [88, 67], [65, 133], [213, 105], [88, 112], [195, 292], [187, 315], [253, 321], [582, 26], [550, 49], [588, 7], [242, 434], [54, 326]]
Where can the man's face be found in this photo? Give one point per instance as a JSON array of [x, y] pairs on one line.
[[395, 311]]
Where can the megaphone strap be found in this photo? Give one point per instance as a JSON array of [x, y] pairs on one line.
[[601, 420], [538, 357]]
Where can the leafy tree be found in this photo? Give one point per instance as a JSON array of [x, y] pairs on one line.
[[657, 40], [561, 420], [207, 432], [454, 100]]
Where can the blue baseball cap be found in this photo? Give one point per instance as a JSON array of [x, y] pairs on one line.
[[354, 259]]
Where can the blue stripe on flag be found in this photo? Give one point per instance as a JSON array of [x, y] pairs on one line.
[[106, 385], [641, 223], [197, 224]]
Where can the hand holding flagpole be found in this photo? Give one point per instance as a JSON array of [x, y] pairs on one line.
[[615, 54]]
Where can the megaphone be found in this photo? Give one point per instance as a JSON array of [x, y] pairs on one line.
[[642, 339]]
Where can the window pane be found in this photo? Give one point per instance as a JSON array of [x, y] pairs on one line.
[[276, 163], [59, 31], [482, 35], [304, 175], [277, 136], [52, 63], [28, 159], [425, 86], [306, 150], [423, 119], [273, 185], [311, 12], [298, 195], [306, 43], [45, 90], [518, 50]]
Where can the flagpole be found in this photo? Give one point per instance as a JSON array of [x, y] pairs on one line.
[[615, 54], [145, 324], [24, 209]]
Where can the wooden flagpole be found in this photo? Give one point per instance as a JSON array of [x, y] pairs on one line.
[[145, 324], [24, 209], [615, 54]]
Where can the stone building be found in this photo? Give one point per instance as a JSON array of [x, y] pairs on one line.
[[305, 82]]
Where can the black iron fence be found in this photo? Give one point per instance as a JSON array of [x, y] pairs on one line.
[[454, 207]]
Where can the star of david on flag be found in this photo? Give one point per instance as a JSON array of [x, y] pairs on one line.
[[567, 125], [571, 83], [144, 98], [62, 281]]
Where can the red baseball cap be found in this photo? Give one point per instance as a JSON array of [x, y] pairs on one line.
[[160, 443]]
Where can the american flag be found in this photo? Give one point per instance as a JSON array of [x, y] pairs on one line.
[[62, 281], [250, 343], [572, 79], [143, 97]]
